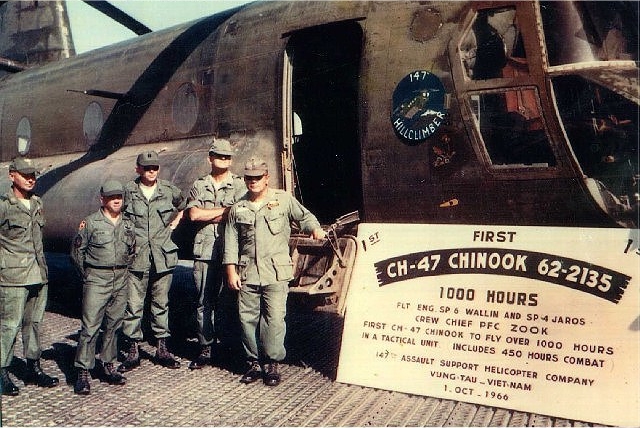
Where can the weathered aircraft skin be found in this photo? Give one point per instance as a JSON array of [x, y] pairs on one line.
[[411, 112]]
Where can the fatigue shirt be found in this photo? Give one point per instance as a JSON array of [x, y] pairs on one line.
[[204, 195], [258, 241], [151, 219], [21, 251], [100, 243]]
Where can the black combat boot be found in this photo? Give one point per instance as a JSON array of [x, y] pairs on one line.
[[164, 357], [271, 375], [36, 376], [133, 358], [203, 359], [8, 387], [82, 385], [253, 374], [111, 375]]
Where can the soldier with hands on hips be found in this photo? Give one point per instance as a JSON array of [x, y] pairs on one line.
[[102, 252], [155, 207], [208, 203], [258, 265], [23, 276]]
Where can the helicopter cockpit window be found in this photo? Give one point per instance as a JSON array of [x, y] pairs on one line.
[[493, 47], [590, 31], [512, 128], [23, 134], [602, 127]]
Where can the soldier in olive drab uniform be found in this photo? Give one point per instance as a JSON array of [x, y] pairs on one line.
[[208, 203], [256, 255], [23, 276], [102, 252], [155, 207]]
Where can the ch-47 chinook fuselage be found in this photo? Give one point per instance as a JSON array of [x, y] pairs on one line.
[[519, 113]]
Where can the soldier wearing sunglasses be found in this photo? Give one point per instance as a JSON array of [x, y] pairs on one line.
[[208, 203]]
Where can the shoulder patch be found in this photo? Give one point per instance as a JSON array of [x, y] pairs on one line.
[[193, 194], [82, 225]]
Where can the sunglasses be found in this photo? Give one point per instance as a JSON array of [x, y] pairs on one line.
[[151, 167], [254, 177], [221, 157]]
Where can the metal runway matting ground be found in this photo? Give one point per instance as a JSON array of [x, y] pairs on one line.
[[155, 396], [307, 396]]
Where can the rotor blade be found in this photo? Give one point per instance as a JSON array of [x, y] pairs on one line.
[[119, 16]]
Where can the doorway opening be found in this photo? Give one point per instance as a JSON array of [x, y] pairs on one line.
[[322, 68]]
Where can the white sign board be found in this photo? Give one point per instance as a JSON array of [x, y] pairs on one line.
[[537, 319]]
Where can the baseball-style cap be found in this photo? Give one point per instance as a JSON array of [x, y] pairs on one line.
[[255, 167], [148, 159], [23, 166], [221, 147], [111, 188]]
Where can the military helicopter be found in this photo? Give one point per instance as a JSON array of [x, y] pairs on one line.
[[482, 112]]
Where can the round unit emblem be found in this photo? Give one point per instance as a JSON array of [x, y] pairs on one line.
[[418, 106]]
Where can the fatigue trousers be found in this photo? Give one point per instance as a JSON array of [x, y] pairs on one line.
[[262, 310], [208, 276], [104, 297], [159, 285], [21, 308]]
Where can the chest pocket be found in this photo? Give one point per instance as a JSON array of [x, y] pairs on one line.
[[275, 221], [246, 226], [101, 239], [166, 214], [245, 219], [16, 228], [208, 199], [130, 213]]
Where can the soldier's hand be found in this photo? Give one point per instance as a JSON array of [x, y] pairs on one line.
[[318, 233], [233, 279], [174, 223], [235, 283]]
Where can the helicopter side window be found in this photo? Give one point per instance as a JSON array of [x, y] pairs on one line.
[[602, 127], [512, 128], [586, 31], [493, 48]]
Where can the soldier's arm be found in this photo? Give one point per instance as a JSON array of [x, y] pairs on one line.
[[213, 215], [197, 212], [231, 252], [180, 203], [178, 200], [308, 222], [79, 247]]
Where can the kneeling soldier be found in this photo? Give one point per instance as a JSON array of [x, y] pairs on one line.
[[102, 251]]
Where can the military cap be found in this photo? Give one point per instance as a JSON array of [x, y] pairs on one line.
[[111, 188], [23, 166], [255, 167], [221, 147], [148, 159]]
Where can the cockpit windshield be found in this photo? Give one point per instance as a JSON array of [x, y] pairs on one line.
[[586, 31], [602, 127]]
